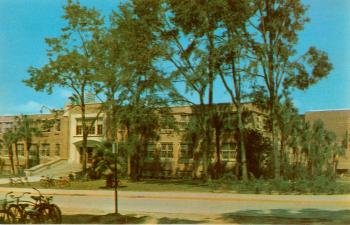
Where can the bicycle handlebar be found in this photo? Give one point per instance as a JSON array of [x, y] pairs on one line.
[[41, 197], [8, 193]]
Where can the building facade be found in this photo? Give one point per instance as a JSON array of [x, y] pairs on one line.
[[63, 140], [337, 121]]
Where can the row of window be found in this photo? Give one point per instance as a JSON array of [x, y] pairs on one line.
[[44, 150], [4, 126], [92, 130], [91, 124], [228, 151]]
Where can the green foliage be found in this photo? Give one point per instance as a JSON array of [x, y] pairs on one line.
[[103, 164], [134, 60], [258, 154], [277, 26], [26, 129]]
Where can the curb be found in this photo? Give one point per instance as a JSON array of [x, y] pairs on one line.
[[322, 199]]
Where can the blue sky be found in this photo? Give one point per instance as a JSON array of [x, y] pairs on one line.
[[25, 23]]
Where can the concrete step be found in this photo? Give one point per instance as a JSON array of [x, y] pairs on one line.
[[57, 168]]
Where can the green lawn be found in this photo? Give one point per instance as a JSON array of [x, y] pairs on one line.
[[251, 187], [147, 185]]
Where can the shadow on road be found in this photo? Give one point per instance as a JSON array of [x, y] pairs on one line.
[[124, 219], [103, 219], [282, 216], [166, 220]]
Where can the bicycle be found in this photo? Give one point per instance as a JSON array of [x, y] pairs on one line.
[[14, 181], [5, 215], [17, 208], [47, 182], [41, 210], [48, 212]]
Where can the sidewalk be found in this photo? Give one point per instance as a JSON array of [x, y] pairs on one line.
[[322, 199], [30, 179]]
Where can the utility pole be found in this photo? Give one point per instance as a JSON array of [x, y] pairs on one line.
[[115, 153]]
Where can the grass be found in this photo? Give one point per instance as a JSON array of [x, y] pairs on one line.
[[156, 185], [146, 185]]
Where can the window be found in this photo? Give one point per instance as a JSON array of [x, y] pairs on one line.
[[166, 150], [92, 126], [58, 125], [185, 151], [6, 126], [228, 152], [99, 129], [57, 150], [78, 129], [4, 150], [33, 149], [184, 119], [45, 150], [20, 149], [91, 129], [150, 151]]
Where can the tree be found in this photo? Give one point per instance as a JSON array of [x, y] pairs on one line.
[[275, 27], [9, 138], [70, 63], [258, 151], [26, 129], [189, 32], [288, 122], [234, 71], [145, 88]]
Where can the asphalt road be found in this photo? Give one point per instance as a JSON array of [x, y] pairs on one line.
[[210, 205]]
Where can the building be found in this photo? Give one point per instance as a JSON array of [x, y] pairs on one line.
[[63, 140], [337, 121]]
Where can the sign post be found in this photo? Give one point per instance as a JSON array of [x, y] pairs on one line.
[[115, 154]]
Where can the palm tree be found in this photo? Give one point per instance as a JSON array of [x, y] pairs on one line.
[[27, 128], [10, 137]]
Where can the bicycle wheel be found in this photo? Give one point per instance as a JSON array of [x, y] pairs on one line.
[[32, 217], [6, 218], [55, 214], [50, 214], [15, 213]]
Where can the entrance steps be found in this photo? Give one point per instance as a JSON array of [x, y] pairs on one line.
[[55, 168]]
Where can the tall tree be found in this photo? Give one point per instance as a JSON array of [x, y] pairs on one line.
[[70, 59], [275, 27], [190, 29], [145, 87], [234, 70], [288, 122]]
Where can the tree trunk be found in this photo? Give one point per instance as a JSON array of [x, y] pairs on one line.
[[218, 150], [85, 137], [276, 152], [11, 160], [17, 159], [28, 144], [242, 144], [283, 155]]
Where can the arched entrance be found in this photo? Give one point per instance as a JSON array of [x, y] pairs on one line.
[[91, 146]]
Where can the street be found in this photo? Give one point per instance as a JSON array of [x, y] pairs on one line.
[[218, 206], [208, 204]]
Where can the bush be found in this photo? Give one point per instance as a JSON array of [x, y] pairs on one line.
[[317, 185], [300, 186], [227, 178]]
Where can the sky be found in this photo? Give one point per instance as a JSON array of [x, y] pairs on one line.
[[24, 24]]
